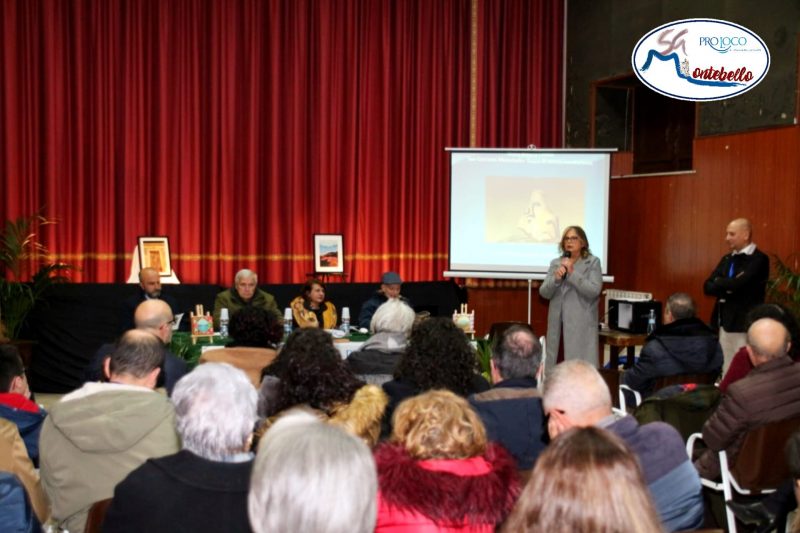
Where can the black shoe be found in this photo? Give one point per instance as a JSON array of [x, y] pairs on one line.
[[755, 514]]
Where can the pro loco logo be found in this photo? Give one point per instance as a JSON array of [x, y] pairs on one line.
[[700, 59]]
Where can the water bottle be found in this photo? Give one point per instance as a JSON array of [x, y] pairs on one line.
[[346, 320], [287, 322], [651, 322], [223, 322]]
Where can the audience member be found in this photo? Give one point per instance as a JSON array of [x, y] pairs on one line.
[[15, 400], [312, 374], [438, 356], [769, 393], [256, 334], [310, 310], [149, 289], [741, 365], [512, 409], [310, 476], [586, 481], [152, 316], [98, 434], [438, 473], [390, 290], [245, 293], [738, 283], [378, 357], [684, 344], [575, 395], [14, 459], [203, 487]]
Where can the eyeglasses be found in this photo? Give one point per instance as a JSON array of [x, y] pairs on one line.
[[572, 238]]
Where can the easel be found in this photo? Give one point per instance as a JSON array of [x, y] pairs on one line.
[[202, 325]]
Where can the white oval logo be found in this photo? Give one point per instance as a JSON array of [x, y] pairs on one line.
[[700, 59]]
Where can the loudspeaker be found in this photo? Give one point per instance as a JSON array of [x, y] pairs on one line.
[[632, 316]]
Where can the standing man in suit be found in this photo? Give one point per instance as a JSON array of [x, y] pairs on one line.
[[739, 283], [149, 289]]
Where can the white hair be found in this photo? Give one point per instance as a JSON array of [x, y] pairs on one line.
[[312, 476], [245, 273], [393, 316], [215, 407], [575, 386]]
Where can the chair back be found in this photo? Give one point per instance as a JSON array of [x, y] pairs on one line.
[[684, 407], [97, 513], [251, 360], [760, 463]]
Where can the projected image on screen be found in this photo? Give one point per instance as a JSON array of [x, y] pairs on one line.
[[531, 210], [508, 208]]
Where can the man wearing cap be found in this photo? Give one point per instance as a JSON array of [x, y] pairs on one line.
[[390, 288]]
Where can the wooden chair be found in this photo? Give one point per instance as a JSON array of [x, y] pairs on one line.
[[760, 466], [97, 513], [251, 360]]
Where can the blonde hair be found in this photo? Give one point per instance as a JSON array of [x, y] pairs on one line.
[[439, 424], [586, 481]]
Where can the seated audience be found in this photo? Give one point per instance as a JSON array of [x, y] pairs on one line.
[[390, 290], [149, 289], [256, 334], [310, 310], [684, 344], [438, 356], [312, 374], [512, 409], [245, 293], [586, 481], [14, 460], [153, 316], [204, 486], [769, 393], [310, 476], [438, 473], [741, 365], [15, 400], [378, 357], [98, 434], [575, 395]]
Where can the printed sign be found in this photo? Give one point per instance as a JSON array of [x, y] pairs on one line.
[[701, 59]]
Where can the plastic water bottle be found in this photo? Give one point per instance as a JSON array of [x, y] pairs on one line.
[[346, 320], [287, 322], [651, 322], [223, 322]]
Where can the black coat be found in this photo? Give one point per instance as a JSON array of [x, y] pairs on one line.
[[738, 294], [182, 492]]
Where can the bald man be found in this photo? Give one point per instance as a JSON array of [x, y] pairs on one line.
[[575, 395], [152, 316], [149, 289], [769, 393], [738, 283]]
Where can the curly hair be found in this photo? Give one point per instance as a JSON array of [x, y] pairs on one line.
[[312, 372], [255, 327], [438, 356], [438, 425]]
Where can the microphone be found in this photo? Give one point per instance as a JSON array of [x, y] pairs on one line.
[[565, 255]]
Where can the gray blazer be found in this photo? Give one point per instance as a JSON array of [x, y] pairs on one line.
[[573, 303]]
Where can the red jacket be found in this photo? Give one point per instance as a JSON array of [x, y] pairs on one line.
[[444, 495]]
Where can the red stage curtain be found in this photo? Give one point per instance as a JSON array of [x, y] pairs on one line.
[[239, 128]]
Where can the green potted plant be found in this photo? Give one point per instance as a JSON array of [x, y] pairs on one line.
[[784, 287], [18, 246]]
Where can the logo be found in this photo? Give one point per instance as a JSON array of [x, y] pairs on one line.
[[700, 59]]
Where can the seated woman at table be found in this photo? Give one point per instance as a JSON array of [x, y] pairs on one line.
[[312, 374], [310, 310]]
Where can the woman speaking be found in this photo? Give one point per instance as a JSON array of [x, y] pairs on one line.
[[572, 285]]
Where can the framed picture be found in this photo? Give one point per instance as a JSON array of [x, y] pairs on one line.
[[154, 253], [328, 253]]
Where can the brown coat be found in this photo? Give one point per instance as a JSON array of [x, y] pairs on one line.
[[769, 393], [14, 458]]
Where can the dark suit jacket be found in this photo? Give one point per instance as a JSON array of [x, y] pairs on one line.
[[741, 292]]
